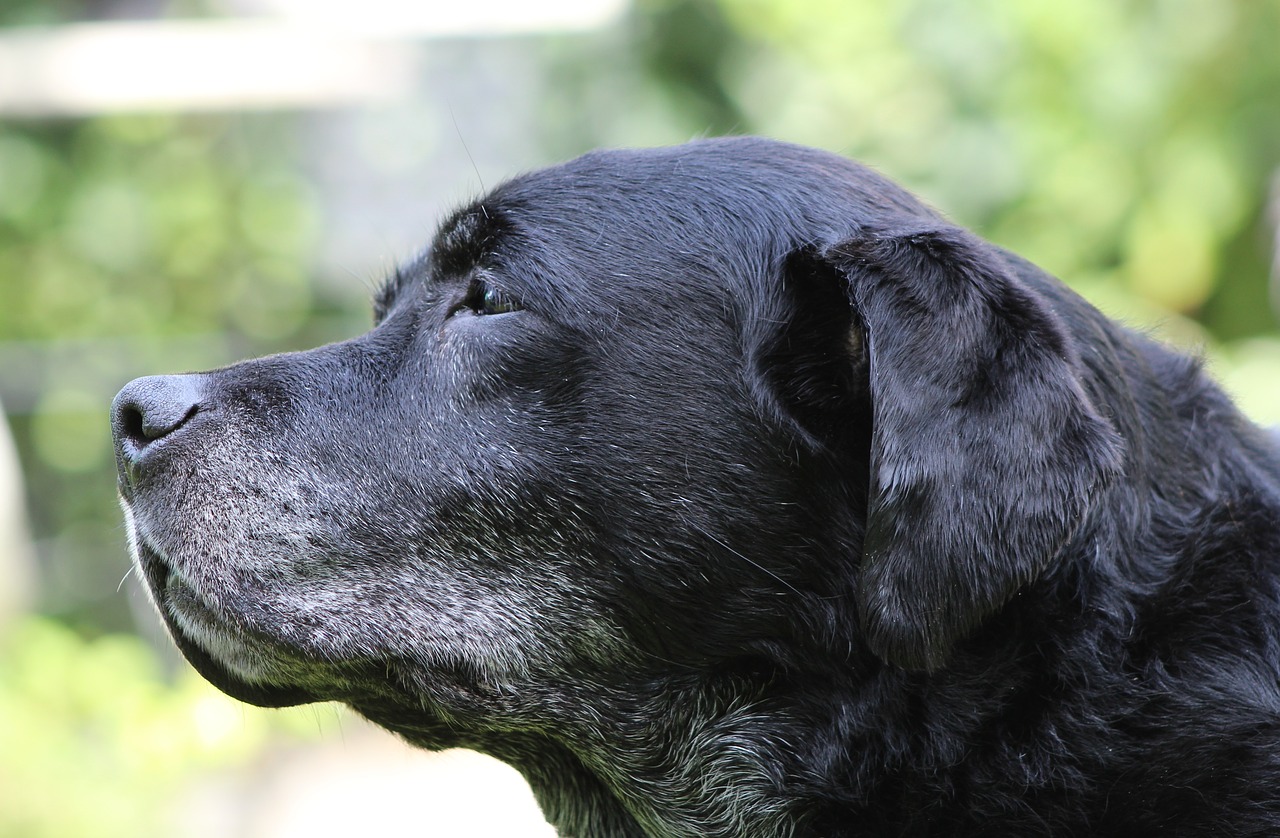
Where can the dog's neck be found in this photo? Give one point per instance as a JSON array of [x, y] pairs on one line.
[[684, 761]]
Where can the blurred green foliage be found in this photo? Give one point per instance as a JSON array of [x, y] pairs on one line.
[[150, 225], [96, 743], [1127, 146]]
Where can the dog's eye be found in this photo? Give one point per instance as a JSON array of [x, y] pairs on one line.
[[483, 298], [494, 301]]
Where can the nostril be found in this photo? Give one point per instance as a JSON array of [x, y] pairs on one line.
[[151, 408], [143, 427], [131, 423]]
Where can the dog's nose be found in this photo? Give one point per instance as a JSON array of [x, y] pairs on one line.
[[149, 409]]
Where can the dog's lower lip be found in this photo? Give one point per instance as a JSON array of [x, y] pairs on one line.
[[171, 588], [178, 593], [155, 568], [176, 584]]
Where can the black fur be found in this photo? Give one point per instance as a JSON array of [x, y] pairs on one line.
[[727, 490]]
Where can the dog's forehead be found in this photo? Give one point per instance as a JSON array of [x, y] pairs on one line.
[[668, 192], [663, 220], [729, 190]]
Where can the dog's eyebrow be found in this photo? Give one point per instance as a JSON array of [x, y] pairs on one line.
[[465, 239], [461, 245], [384, 299]]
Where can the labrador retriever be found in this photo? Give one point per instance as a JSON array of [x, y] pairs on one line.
[[726, 489]]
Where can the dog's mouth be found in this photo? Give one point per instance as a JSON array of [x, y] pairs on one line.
[[222, 652]]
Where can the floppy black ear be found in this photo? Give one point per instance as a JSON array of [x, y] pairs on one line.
[[985, 449]]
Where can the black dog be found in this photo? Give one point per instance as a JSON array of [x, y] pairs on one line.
[[727, 490]]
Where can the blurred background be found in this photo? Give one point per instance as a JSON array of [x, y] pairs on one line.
[[188, 182]]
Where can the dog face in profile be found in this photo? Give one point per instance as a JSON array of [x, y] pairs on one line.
[[727, 490]]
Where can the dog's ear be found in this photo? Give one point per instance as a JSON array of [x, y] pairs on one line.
[[985, 449]]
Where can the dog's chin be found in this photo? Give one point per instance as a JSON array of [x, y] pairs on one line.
[[218, 651]]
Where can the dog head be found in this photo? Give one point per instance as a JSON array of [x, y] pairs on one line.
[[645, 415]]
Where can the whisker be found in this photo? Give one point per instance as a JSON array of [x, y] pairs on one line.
[[748, 560], [125, 578]]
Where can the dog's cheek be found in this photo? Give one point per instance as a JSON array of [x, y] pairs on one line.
[[464, 564]]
